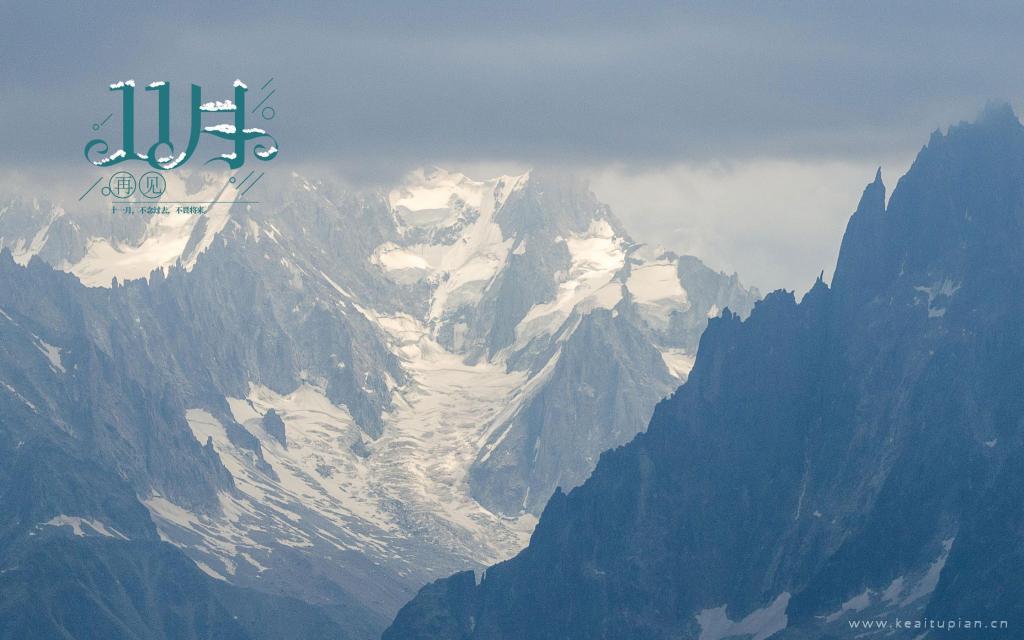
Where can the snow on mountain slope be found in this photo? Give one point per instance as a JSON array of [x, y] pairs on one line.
[[657, 292], [401, 501], [106, 245], [166, 239], [596, 257], [415, 368], [24, 248], [464, 249], [441, 192], [432, 437]]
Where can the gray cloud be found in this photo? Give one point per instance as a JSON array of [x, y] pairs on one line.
[[652, 100], [406, 83]]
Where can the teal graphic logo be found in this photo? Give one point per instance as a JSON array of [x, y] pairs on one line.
[[163, 155]]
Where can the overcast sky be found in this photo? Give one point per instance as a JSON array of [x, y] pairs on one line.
[[741, 133]]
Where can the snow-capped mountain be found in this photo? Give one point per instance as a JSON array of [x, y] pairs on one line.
[[345, 393]]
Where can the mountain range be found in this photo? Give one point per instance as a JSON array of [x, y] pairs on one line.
[[851, 458], [283, 418]]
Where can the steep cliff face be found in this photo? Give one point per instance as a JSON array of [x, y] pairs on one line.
[[601, 385], [603, 326], [851, 456]]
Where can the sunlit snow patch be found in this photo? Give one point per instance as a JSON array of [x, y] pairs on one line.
[[82, 527], [757, 625], [597, 255]]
